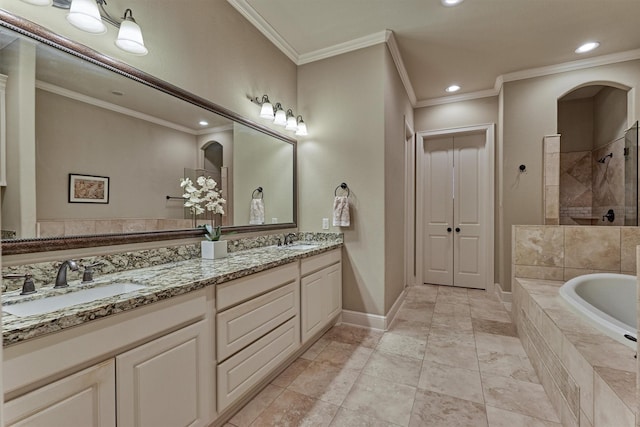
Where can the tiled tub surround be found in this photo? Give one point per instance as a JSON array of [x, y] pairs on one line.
[[590, 378], [564, 252], [161, 281]]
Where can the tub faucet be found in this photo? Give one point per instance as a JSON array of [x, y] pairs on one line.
[[61, 278]]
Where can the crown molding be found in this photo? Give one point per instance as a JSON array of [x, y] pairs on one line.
[[263, 26], [580, 64], [402, 71], [457, 98], [111, 107], [340, 48]]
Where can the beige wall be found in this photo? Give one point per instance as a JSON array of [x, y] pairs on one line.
[[610, 115], [397, 108], [576, 124], [344, 99], [144, 161]]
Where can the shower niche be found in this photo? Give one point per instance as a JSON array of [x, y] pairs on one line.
[[598, 158]]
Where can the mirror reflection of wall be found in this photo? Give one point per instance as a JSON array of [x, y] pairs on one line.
[[592, 122], [68, 116]]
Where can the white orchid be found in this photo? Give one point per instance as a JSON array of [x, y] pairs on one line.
[[205, 198]]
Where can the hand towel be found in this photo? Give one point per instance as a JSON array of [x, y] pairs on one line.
[[256, 212], [341, 216]]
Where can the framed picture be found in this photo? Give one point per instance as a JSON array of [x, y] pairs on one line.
[[88, 188]]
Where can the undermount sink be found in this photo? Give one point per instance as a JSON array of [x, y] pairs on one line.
[[301, 246], [49, 304]]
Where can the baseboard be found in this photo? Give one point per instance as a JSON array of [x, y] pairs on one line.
[[366, 320], [373, 321], [505, 296]]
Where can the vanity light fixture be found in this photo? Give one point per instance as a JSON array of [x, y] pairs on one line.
[[452, 88], [302, 127], [292, 124], [280, 116], [90, 16], [587, 47], [277, 113], [266, 112]]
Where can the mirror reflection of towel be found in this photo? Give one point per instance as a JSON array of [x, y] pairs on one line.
[[341, 211], [256, 212]]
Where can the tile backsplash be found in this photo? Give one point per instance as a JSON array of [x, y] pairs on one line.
[[44, 272]]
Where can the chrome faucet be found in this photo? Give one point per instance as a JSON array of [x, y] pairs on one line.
[[288, 238], [61, 278]]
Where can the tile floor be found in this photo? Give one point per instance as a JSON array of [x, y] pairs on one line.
[[450, 358]]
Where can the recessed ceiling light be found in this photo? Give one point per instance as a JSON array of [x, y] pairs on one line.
[[587, 47], [203, 122], [453, 88], [449, 3]]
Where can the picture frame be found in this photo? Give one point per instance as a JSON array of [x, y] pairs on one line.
[[88, 188]]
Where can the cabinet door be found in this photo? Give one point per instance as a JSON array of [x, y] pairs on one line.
[[86, 398], [313, 303], [165, 382], [334, 291]]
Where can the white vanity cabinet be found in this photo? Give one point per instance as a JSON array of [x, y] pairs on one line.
[[321, 285], [145, 367], [164, 382], [86, 398], [258, 328]]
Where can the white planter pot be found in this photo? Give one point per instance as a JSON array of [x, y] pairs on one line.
[[213, 250]]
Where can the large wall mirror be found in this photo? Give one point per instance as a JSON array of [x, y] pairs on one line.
[[73, 114]]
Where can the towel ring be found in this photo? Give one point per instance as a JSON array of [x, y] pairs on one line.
[[344, 187], [259, 191]]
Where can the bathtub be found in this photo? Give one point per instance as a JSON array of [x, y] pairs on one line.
[[608, 300]]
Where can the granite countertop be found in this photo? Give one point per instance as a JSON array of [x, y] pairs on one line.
[[160, 282]]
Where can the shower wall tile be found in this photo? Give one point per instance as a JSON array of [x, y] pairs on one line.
[[551, 179], [539, 246], [592, 247], [608, 177], [551, 171], [575, 179]]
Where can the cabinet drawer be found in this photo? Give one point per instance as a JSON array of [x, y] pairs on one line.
[[249, 366], [236, 291], [315, 263], [241, 325]]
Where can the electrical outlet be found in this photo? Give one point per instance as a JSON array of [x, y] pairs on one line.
[[325, 223]]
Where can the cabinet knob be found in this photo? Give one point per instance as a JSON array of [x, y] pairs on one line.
[[449, 230], [457, 229]]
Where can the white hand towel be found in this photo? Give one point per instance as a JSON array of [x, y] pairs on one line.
[[341, 216], [256, 212]]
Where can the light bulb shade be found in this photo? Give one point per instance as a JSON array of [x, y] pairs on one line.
[[266, 112], [302, 127], [130, 38], [84, 14], [280, 118], [292, 124], [39, 2]]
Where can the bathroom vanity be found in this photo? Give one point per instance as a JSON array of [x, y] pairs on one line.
[[189, 348]]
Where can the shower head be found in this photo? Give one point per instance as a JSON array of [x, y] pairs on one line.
[[602, 159]]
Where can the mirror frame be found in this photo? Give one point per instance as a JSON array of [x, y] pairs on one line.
[[45, 36]]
